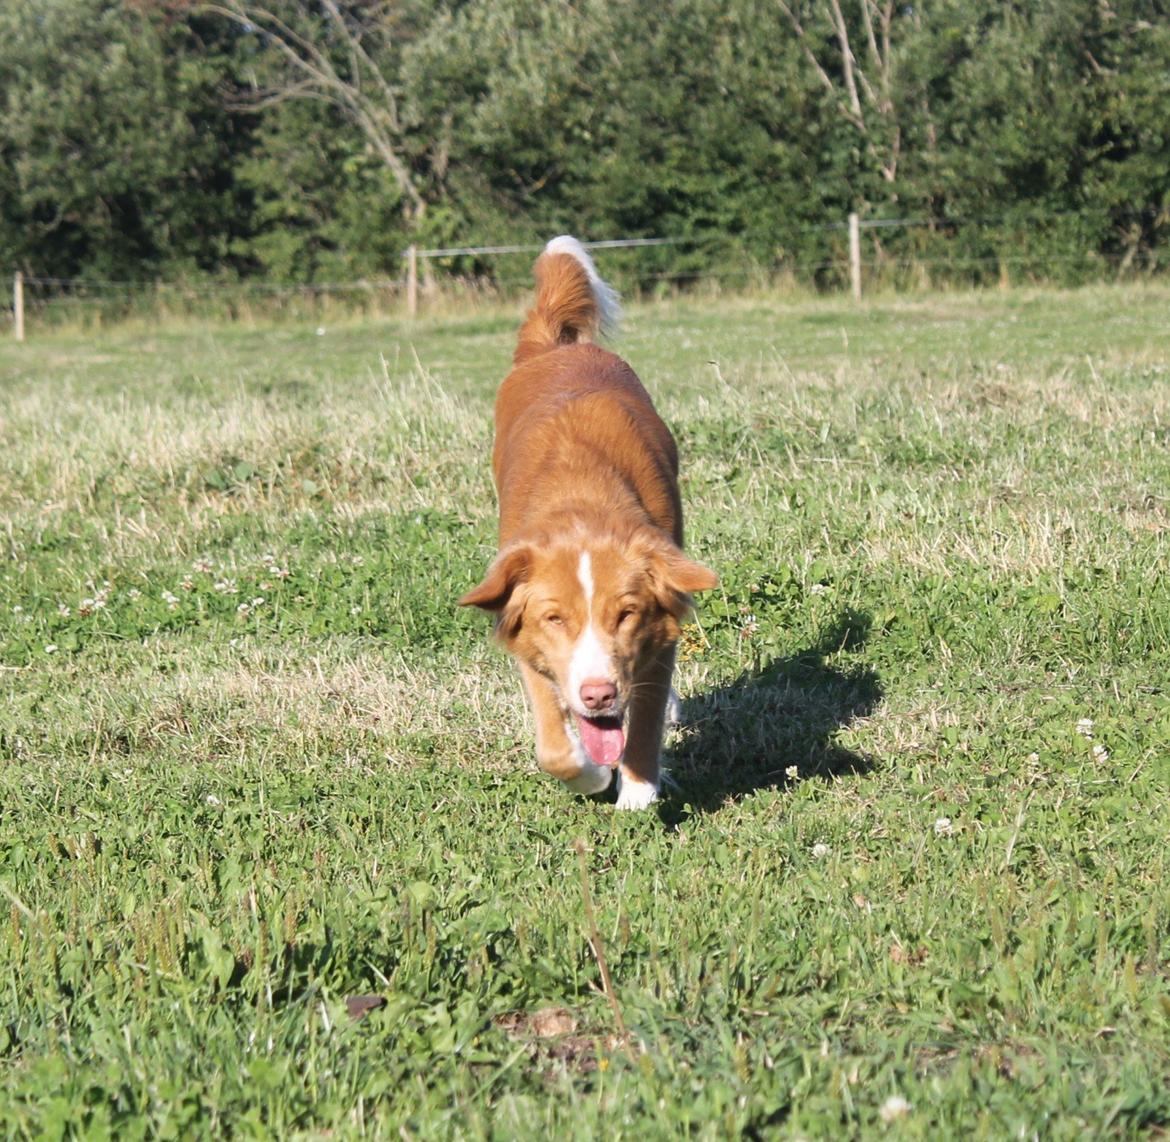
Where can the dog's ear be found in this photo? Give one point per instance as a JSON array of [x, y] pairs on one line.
[[674, 578], [508, 571]]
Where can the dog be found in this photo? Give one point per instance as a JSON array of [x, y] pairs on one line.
[[590, 584]]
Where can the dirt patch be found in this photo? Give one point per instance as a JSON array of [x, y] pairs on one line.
[[554, 1044]]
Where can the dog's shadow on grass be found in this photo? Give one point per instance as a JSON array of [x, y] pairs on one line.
[[772, 726]]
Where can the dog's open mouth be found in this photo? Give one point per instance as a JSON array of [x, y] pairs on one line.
[[603, 739]]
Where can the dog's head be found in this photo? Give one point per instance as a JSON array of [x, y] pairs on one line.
[[590, 614]]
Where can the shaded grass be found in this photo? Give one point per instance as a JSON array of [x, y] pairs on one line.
[[266, 766]]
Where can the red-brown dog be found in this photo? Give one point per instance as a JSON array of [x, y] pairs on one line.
[[590, 582]]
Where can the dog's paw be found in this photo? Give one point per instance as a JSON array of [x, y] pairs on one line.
[[635, 794], [591, 779]]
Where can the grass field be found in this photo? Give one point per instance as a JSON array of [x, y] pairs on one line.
[[257, 773]]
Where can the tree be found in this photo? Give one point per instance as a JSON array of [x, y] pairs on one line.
[[1053, 139], [322, 206], [117, 150], [854, 64], [609, 117], [305, 139], [344, 54]]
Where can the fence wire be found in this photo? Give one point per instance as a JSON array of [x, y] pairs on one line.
[[718, 258]]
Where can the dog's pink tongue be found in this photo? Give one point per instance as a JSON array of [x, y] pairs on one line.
[[603, 739]]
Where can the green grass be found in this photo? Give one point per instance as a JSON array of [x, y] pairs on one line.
[[254, 763]]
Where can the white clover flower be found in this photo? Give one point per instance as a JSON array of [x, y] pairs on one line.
[[134, 593], [943, 827], [1085, 727], [268, 559], [1033, 758], [792, 772], [51, 648], [243, 609], [226, 586], [188, 584], [893, 1108], [821, 850], [1100, 753], [63, 610], [170, 597], [203, 565], [18, 609], [258, 601], [818, 589], [213, 800], [85, 608]]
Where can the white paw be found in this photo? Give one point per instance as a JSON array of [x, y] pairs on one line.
[[635, 794], [592, 779]]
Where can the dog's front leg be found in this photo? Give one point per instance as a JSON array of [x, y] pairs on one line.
[[556, 752], [638, 773]]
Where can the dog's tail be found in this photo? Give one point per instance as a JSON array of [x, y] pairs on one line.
[[572, 302]]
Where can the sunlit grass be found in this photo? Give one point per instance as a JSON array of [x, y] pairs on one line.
[[255, 762]]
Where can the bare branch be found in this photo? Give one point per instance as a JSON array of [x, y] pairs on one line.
[[261, 98], [296, 50], [359, 53], [875, 57], [863, 91], [847, 62], [821, 73], [890, 169], [313, 74], [798, 28], [879, 55], [355, 71]]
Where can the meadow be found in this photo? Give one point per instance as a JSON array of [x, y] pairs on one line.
[[274, 857]]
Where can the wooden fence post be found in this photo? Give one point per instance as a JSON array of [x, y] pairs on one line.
[[855, 255], [18, 305], [412, 281]]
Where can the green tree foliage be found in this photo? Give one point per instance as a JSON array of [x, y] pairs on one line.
[[314, 139], [323, 207], [1058, 124], [118, 150]]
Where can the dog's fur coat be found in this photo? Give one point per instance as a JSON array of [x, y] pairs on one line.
[[590, 584]]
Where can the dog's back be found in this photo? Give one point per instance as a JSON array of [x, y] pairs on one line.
[[575, 429]]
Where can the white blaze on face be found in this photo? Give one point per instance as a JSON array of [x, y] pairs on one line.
[[589, 659]]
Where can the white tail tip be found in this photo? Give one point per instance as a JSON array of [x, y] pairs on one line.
[[609, 309]]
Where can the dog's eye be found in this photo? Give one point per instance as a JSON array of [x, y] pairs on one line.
[[627, 614], [554, 620]]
